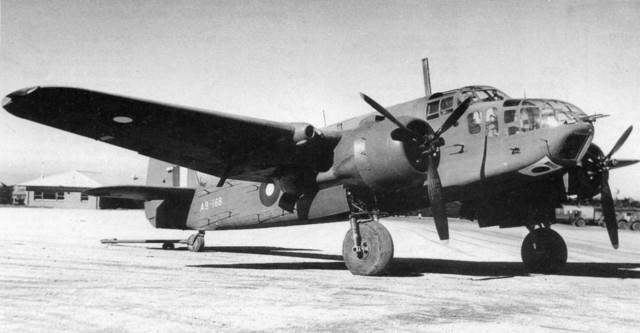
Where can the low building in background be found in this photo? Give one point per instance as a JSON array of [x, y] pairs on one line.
[[65, 190]]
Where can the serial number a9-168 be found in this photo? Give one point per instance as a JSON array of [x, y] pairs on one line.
[[210, 204]]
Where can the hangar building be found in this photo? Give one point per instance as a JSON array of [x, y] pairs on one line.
[[64, 190]]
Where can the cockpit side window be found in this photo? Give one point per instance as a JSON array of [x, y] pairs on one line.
[[529, 119], [474, 121], [491, 122], [433, 110]]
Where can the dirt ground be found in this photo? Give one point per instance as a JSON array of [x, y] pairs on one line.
[[55, 276]]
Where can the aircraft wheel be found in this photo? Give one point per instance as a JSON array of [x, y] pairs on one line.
[[635, 226], [168, 246], [580, 222], [377, 246], [543, 251], [195, 243]]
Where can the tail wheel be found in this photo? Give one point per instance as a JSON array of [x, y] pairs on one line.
[[195, 243], [377, 246], [543, 251]]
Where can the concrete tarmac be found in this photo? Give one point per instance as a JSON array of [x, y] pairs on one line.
[[55, 276]]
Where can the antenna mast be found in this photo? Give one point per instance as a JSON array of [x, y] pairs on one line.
[[427, 77]]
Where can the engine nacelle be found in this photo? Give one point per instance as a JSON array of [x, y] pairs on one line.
[[303, 132], [369, 156]]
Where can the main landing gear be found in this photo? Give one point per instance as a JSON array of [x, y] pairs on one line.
[[367, 248], [195, 242], [543, 250]]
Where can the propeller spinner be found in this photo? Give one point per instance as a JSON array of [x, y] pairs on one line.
[[429, 145]]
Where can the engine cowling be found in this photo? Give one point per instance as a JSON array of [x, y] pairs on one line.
[[586, 180], [371, 157]]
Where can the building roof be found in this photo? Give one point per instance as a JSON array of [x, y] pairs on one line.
[[74, 178]]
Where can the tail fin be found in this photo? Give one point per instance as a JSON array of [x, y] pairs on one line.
[[161, 173], [171, 212]]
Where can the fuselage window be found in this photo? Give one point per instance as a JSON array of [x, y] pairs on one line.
[[474, 119], [491, 122], [446, 105], [529, 119], [432, 110], [509, 120], [509, 116]]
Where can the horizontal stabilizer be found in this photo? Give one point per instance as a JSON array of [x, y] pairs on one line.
[[145, 193]]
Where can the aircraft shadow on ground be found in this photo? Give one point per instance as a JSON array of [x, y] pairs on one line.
[[416, 267]]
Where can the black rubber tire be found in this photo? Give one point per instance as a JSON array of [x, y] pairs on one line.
[[190, 241], [168, 246], [195, 243], [549, 253], [623, 225], [635, 226], [379, 250], [579, 223]]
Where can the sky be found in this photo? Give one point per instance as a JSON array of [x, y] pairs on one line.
[[289, 60]]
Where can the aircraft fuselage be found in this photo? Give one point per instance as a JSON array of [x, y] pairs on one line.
[[499, 140]]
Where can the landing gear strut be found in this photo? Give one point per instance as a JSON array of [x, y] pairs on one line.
[[367, 248], [195, 242], [543, 250]]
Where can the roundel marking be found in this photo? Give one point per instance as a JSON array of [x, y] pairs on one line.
[[269, 193], [122, 119]]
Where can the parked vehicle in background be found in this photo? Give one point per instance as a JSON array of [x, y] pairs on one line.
[[582, 215], [628, 219], [578, 215]]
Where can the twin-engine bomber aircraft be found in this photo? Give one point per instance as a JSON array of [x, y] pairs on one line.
[[504, 159]]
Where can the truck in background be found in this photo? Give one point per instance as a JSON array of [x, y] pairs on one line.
[[582, 215]]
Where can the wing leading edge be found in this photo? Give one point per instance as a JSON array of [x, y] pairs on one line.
[[215, 143]]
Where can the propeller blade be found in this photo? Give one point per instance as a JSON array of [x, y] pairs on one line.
[[454, 117], [616, 163], [608, 210], [620, 142], [388, 115], [434, 192]]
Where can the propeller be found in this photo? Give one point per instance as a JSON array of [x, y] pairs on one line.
[[596, 168], [429, 144]]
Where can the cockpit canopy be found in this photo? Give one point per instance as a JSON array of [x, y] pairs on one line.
[[443, 103], [541, 113], [515, 116]]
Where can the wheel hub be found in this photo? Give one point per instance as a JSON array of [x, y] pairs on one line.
[[363, 251]]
